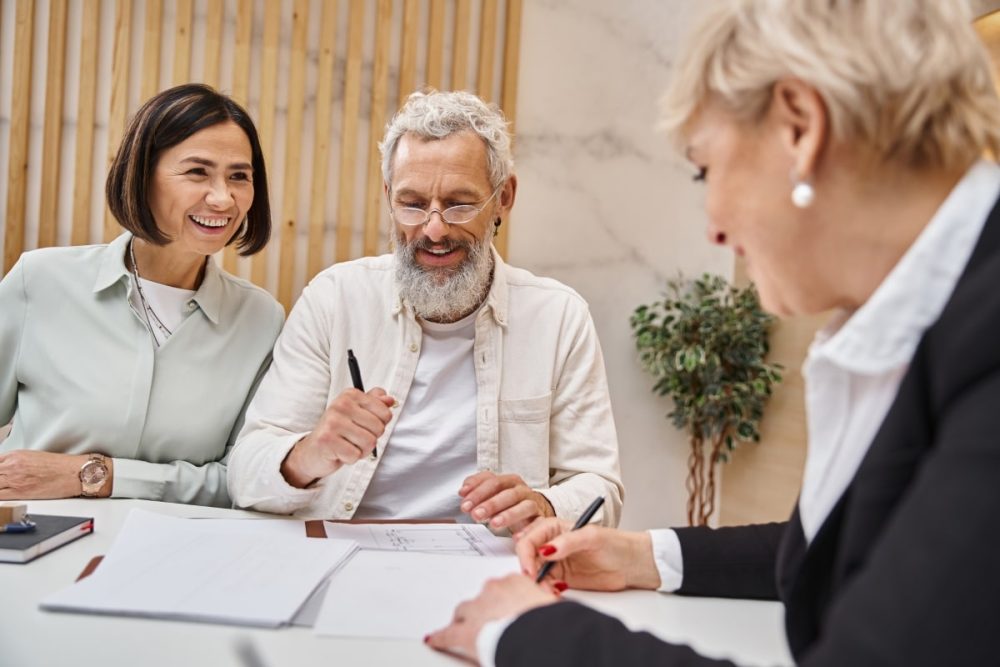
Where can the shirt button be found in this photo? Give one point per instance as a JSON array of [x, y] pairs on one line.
[[348, 506], [191, 305], [413, 347]]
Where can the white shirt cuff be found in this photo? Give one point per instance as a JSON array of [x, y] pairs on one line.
[[668, 558], [489, 639]]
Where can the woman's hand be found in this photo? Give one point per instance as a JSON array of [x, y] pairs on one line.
[[500, 598], [27, 474], [592, 558]]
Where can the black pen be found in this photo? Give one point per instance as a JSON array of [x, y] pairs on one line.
[[584, 519], [352, 365]]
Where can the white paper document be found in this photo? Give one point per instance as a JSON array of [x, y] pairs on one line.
[[401, 595], [189, 569], [460, 539]]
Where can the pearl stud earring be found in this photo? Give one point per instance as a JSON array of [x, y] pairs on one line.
[[803, 194]]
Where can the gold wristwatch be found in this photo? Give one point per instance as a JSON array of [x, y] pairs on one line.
[[94, 475]]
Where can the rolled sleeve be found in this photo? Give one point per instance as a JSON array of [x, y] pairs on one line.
[[257, 483], [290, 400], [583, 441]]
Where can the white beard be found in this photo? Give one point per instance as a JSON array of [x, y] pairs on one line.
[[444, 294]]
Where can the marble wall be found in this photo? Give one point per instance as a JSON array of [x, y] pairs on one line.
[[605, 205]]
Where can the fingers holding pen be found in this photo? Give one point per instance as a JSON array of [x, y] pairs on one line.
[[592, 557], [353, 418], [347, 431]]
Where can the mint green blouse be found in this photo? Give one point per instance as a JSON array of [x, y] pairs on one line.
[[79, 373]]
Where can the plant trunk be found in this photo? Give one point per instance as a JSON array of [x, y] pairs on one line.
[[708, 489], [695, 480], [700, 482]]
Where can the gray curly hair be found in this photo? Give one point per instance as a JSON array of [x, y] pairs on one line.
[[436, 115]]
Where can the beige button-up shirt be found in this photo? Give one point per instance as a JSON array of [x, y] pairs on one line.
[[79, 373], [542, 405]]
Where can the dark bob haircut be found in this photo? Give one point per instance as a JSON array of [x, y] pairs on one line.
[[166, 120]]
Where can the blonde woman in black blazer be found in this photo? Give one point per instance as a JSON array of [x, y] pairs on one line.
[[840, 146]]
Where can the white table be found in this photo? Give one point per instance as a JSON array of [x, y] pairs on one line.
[[746, 631]]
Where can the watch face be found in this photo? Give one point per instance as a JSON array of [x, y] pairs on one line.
[[92, 474]]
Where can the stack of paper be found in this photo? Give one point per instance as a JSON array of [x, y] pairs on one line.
[[202, 570]]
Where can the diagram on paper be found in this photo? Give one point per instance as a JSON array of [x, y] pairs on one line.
[[455, 539]]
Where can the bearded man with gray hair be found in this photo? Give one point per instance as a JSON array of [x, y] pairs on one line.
[[487, 391]]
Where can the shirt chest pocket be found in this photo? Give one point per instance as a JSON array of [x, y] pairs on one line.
[[526, 410], [524, 438]]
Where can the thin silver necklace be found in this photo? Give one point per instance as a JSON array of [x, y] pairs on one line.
[[147, 310]]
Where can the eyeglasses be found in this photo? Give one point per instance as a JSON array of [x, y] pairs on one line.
[[412, 216]]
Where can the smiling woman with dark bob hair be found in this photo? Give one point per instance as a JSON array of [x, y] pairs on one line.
[[126, 366]]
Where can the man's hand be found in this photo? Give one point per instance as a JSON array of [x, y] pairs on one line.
[[510, 596], [503, 500], [27, 474], [347, 431]]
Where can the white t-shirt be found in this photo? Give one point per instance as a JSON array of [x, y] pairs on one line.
[[433, 447], [169, 304]]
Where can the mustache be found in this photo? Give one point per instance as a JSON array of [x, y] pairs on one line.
[[446, 244]]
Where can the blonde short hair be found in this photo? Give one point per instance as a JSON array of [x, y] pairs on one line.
[[908, 78]]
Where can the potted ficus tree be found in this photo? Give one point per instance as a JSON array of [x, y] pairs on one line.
[[705, 344]]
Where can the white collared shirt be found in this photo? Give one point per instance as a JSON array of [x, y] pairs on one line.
[[854, 368], [542, 406], [79, 371]]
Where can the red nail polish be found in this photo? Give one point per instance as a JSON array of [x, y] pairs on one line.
[[547, 550], [560, 586], [427, 638]]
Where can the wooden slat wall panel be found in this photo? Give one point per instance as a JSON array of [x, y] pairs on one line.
[[349, 131], [460, 46], [321, 146], [435, 44], [508, 89], [119, 92], [380, 82], [17, 189], [82, 190], [182, 41], [265, 115], [55, 79], [109, 70], [293, 145], [487, 49], [214, 15], [408, 52], [511, 60], [240, 88], [150, 79]]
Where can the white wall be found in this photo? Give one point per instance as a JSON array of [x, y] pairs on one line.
[[605, 206]]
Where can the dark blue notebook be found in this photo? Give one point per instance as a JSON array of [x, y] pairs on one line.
[[51, 533]]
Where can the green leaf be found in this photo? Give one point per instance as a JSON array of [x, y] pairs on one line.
[[705, 345]]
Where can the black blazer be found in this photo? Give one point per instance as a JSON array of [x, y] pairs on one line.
[[904, 571]]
